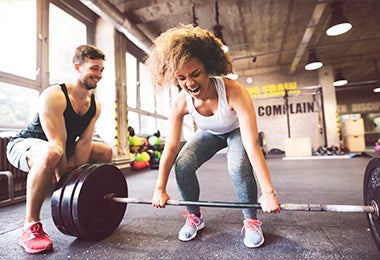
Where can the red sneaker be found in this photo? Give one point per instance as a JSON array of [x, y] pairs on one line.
[[34, 240]]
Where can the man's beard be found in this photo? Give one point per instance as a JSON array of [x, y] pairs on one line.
[[88, 85]]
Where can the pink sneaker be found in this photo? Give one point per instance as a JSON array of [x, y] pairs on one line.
[[253, 236], [34, 240]]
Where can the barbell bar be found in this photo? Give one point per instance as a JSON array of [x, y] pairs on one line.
[[372, 209], [90, 201]]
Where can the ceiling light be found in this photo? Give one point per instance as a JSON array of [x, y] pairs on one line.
[[339, 80], [313, 62], [339, 23]]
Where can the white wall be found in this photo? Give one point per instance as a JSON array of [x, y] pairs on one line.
[[303, 120]]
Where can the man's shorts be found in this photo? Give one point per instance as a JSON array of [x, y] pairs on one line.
[[16, 152]]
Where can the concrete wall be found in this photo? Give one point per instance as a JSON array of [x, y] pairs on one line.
[[304, 117]]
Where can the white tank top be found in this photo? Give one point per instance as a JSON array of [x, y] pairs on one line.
[[223, 121]]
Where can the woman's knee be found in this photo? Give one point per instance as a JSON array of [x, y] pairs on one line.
[[185, 163]]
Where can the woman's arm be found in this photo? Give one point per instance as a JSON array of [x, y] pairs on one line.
[[170, 151], [240, 101]]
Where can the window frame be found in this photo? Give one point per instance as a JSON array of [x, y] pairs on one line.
[[73, 8]]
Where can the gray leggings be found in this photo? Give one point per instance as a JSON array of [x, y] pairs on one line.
[[199, 149]]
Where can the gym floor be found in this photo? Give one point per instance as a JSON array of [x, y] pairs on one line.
[[149, 233]]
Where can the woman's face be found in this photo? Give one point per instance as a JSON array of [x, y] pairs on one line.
[[192, 77]]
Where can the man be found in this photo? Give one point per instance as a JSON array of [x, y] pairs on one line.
[[60, 136]]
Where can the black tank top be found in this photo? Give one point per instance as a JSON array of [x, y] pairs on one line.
[[75, 124]]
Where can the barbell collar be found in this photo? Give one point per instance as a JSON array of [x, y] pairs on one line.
[[373, 208]]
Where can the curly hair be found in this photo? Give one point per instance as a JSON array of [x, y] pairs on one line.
[[178, 45], [87, 51]]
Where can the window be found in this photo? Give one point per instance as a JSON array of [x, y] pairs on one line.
[[162, 101], [146, 90], [148, 110], [148, 125], [133, 121], [17, 105], [18, 27], [65, 34], [23, 65], [131, 80]]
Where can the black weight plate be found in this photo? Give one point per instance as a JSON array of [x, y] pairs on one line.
[[95, 219], [371, 192], [67, 198], [62, 196]]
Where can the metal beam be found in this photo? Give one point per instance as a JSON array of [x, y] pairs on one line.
[[110, 13], [314, 20]]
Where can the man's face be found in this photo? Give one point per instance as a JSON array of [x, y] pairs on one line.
[[90, 72]]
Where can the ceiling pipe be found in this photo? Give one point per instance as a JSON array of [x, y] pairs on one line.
[[314, 20], [321, 46], [108, 12], [357, 85]]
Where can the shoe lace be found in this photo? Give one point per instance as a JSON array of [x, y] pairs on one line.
[[191, 219], [252, 224], [36, 230]]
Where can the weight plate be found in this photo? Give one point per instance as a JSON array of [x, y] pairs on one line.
[[371, 192], [61, 197], [67, 203], [94, 218]]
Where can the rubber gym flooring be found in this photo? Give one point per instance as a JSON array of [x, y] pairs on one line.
[[149, 233]]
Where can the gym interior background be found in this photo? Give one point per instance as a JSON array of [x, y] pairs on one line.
[[298, 110], [270, 43]]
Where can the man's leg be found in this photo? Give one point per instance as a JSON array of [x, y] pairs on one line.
[[101, 153], [42, 160]]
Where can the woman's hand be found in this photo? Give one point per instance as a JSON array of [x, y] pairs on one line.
[[159, 199], [269, 203]]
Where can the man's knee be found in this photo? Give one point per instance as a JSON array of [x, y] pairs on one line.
[[53, 154], [108, 153], [101, 153], [46, 153]]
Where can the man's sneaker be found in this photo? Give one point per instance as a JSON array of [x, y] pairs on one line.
[[253, 236], [191, 227], [34, 240]]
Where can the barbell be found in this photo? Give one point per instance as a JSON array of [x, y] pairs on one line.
[[90, 201]]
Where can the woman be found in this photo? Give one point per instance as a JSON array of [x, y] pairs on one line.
[[223, 111]]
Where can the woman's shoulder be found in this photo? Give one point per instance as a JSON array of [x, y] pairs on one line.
[[232, 86], [179, 101]]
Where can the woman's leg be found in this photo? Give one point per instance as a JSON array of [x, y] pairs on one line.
[[241, 173], [199, 149]]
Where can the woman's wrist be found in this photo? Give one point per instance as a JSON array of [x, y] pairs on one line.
[[269, 193]]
